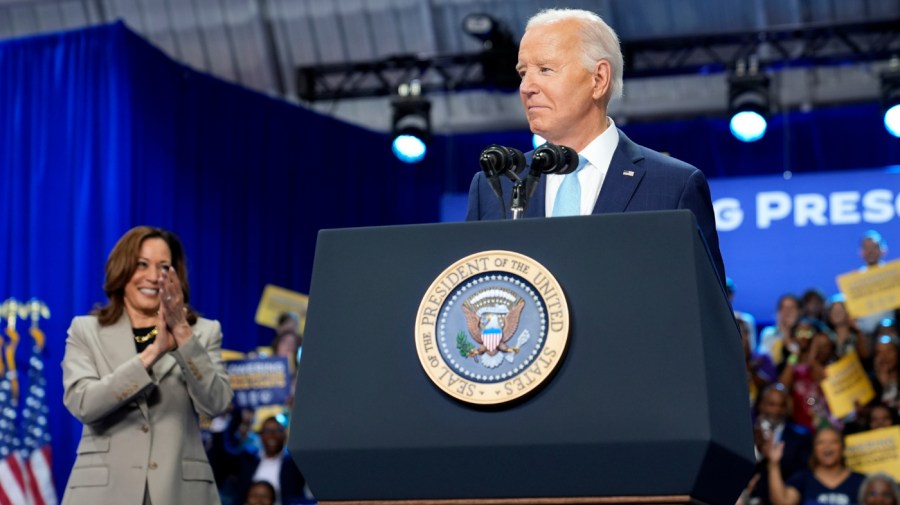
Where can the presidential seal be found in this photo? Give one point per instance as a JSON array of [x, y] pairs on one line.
[[492, 327]]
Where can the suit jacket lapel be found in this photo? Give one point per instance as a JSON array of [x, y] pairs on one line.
[[117, 343], [118, 347], [622, 179]]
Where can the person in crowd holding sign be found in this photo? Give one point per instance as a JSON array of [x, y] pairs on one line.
[[828, 480], [138, 372], [872, 249], [879, 489]]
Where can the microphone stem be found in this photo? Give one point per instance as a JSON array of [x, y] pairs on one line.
[[519, 200]]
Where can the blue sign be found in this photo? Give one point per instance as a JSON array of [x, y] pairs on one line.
[[259, 381]]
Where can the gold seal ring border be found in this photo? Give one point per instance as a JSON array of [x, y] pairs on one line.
[[460, 387]]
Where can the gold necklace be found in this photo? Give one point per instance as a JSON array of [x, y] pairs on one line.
[[144, 338]]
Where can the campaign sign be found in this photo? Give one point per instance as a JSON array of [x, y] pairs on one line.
[[874, 451], [873, 290], [846, 385], [259, 381]]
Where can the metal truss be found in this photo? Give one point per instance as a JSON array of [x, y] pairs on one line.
[[382, 78], [772, 49]]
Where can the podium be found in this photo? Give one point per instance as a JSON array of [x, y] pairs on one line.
[[647, 405]]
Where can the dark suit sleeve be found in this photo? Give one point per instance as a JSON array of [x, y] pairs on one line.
[[696, 198], [483, 203], [473, 209]]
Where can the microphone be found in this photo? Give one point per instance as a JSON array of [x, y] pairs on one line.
[[554, 159], [496, 161], [550, 159]]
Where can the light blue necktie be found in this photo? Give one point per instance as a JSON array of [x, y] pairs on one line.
[[568, 196]]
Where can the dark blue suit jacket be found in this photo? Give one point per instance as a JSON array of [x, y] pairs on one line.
[[638, 179]]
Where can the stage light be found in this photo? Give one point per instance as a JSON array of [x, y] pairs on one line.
[[748, 102], [410, 124], [890, 97]]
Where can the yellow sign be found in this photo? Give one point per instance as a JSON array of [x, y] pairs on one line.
[[231, 355], [276, 301], [492, 327], [846, 385], [874, 290], [874, 451]]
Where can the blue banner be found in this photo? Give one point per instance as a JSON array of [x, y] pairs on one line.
[[785, 234]]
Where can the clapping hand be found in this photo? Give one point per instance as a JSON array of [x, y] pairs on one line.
[[171, 307]]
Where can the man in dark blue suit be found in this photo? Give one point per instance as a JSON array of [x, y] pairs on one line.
[[570, 63]]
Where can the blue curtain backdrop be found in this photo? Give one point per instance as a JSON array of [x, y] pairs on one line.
[[100, 132]]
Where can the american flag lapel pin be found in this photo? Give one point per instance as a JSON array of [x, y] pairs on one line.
[[629, 173]]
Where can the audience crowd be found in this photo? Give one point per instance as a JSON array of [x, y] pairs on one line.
[[247, 447], [799, 442]]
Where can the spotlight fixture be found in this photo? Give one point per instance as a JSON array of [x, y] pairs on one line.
[[411, 123], [500, 50], [890, 96], [748, 102]]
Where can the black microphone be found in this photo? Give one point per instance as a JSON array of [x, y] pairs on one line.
[[550, 159], [497, 160], [554, 159]]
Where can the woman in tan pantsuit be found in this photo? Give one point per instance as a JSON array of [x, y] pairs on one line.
[[137, 372]]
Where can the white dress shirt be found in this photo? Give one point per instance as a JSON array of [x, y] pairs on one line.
[[599, 154]]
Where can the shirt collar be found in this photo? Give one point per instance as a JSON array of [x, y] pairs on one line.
[[600, 151]]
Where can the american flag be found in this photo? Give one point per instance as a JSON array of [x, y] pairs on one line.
[[13, 477], [41, 490]]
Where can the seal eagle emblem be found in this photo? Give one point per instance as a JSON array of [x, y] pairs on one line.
[[492, 327], [492, 317]]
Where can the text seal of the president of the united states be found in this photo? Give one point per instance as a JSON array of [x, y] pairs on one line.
[[492, 327]]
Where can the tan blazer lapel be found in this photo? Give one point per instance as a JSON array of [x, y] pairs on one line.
[[117, 344]]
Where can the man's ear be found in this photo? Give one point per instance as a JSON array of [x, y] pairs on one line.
[[601, 79]]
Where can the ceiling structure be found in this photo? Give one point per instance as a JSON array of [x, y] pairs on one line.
[[678, 52]]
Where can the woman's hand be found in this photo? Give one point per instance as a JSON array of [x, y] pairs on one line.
[[171, 307], [163, 343]]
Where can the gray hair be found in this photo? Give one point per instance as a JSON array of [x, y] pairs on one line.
[[874, 478], [599, 41]]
